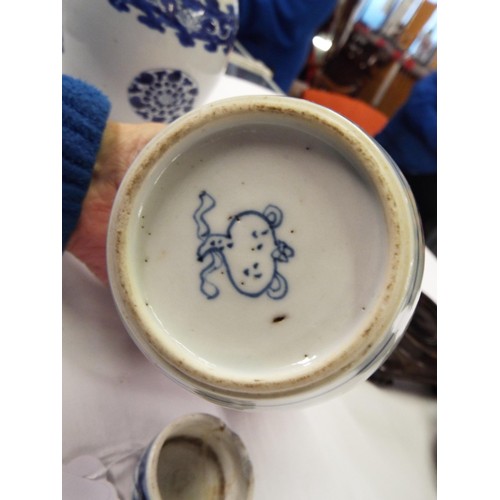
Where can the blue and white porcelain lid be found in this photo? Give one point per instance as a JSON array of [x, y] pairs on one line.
[[196, 457]]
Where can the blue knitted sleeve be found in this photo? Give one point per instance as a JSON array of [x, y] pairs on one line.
[[410, 137], [85, 111], [279, 33]]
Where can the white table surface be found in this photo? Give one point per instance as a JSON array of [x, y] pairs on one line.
[[369, 443]]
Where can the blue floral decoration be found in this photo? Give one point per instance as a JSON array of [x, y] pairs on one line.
[[162, 95], [191, 19]]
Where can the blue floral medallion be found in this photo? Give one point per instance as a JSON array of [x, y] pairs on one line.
[[192, 20], [162, 95]]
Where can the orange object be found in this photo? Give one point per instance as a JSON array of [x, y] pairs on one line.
[[371, 120]]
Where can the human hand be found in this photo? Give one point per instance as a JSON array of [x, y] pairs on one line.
[[120, 145]]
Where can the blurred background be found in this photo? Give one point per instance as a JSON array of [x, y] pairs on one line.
[[375, 50], [373, 61]]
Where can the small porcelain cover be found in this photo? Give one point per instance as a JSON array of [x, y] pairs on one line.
[[196, 456]]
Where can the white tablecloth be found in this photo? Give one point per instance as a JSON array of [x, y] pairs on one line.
[[369, 443]]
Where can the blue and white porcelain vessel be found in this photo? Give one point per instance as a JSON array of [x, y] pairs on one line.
[[195, 456], [155, 59]]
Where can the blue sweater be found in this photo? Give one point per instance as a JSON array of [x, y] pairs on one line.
[[410, 137], [279, 33], [85, 111]]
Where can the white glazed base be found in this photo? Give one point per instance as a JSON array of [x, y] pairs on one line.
[[347, 247]]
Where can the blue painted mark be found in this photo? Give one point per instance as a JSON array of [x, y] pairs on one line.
[[162, 95], [191, 20], [251, 273]]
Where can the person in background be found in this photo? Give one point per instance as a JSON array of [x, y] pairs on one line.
[[410, 138], [96, 153], [279, 33]]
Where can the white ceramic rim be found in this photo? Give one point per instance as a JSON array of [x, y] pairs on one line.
[[398, 303], [200, 423]]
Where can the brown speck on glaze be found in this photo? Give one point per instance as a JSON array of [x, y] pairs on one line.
[[367, 331], [280, 318]]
